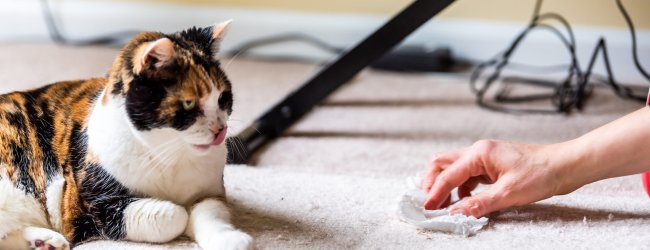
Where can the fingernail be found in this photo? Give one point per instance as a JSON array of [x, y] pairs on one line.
[[457, 208], [474, 210]]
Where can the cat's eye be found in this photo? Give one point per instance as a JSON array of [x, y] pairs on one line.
[[188, 105]]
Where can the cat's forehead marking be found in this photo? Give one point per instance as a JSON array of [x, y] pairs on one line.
[[220, 81], [201, 80], [195, 86]]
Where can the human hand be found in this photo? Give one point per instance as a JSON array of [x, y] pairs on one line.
[[520, 174]]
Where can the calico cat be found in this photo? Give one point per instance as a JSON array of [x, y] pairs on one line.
[[136, 156]]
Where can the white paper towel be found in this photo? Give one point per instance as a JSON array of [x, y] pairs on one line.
[[410, 210]]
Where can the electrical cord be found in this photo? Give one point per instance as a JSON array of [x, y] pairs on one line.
[[246, 47], [559, 99], [570, 93], [635, 54], [56, 35]]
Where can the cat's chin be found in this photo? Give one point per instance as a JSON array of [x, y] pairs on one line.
[[202, 149]]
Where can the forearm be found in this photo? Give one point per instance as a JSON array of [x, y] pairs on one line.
[[206, 216], [617, 149]]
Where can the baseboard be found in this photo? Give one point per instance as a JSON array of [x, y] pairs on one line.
[[474, 39]]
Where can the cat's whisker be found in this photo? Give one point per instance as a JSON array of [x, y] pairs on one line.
[[161, 159], [155, 157], [167, 154], [234, 148], [257, 130], [232, 128], [161, 166], [157, 149], [234, 121], [166, 167], [241, 147], [153, 164], [234, 118], [238, 146], [232, 59], [160, 151]]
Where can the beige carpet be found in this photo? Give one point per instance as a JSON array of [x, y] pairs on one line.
[[333, 181]]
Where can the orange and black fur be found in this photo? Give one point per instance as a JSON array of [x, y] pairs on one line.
[[61, 150], [43, 136]]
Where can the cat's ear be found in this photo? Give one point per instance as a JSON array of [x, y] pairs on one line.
[[218, 32], [154, 55]]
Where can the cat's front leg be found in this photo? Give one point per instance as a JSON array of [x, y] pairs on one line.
[[210, 227], [154, 221]]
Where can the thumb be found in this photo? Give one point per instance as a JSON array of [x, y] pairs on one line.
[[488, 201]]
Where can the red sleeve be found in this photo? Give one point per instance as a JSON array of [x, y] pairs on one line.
[[646, 176]]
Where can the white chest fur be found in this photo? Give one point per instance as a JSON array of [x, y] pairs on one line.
[[164, 169]]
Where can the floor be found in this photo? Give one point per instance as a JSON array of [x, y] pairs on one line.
[[333, 181]]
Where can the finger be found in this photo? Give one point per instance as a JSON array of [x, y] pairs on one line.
[[430, 177], [446, 203], [488, 201], [438, 163], [455, 175], [466, 189]]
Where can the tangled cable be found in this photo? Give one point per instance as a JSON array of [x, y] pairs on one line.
[[567, 94]]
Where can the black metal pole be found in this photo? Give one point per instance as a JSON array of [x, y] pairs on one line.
[[298, 103]]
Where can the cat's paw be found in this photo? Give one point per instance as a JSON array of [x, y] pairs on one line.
[[154, 221], [45, 239], [228, 240]]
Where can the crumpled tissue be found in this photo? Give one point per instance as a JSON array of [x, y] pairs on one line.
[[410, 210]]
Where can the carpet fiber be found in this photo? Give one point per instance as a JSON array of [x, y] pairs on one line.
[[333, 181]]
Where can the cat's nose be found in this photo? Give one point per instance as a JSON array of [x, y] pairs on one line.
[[216, 129]]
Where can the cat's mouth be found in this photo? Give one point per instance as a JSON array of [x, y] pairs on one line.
[[218, 139]]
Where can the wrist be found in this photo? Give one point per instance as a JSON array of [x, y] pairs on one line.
[[568, 164]]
